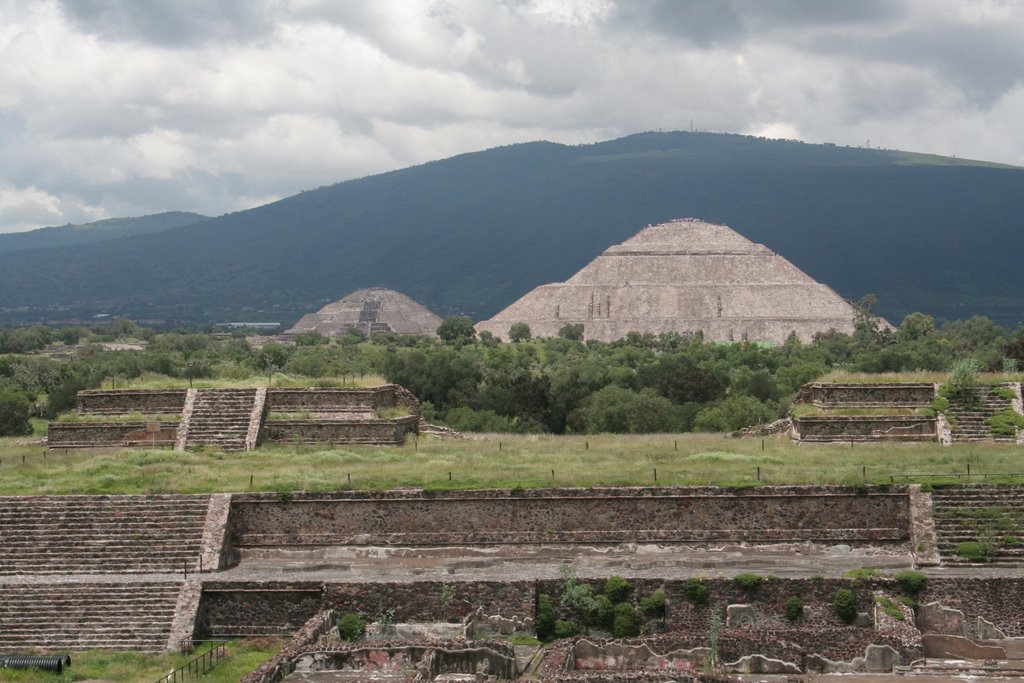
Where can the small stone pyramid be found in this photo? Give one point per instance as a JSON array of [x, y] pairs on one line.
[[684, 276], [371, 311]]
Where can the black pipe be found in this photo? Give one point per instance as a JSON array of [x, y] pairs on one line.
[[55, 663]]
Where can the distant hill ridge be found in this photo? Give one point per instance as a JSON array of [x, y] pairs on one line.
[[473, 233], [97, 231]]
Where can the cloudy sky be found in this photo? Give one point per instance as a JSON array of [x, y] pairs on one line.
[[130, 107]]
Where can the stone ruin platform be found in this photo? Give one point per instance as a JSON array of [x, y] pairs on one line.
[[256, 564], [237, 419]]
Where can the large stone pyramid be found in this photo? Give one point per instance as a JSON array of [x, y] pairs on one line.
[[683, 276], [371, 311]]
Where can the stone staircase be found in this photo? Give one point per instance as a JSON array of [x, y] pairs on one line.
[[988, 513], [969, 416], [98, 534], [221, 417], [84, 616]]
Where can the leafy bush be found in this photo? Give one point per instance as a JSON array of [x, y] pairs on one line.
[[571, 331], [14, 409], [351, 627], [1005, 423], [845, 603], [911, 582], [748, 581], [975, 551], [696, 591], [576, 596], [566, 628], [544, 620], [654, 603], [794, 608], [616, 588], [602, 613], [627, 622]]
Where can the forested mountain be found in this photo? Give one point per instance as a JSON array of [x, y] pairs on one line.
[[98, 231], [472, 233]]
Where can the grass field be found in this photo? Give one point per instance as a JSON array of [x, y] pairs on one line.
[[151, 380], [131, 667], [500, 461]]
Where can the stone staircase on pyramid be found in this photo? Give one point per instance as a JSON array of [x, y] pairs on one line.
[[227, 418], [97, 534], [84, 572], [134, 615], [968, 414], [989, 514]]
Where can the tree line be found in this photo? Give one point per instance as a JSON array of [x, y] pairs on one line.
[[642, 383]]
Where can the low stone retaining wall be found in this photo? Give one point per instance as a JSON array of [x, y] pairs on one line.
[[109, 434], [865, 395], [127, 401], [865, 428], [612, 515], [380, 432], [256, 608], [330, 400]]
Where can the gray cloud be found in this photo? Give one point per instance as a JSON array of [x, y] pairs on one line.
[[128, 107], [176, 23]]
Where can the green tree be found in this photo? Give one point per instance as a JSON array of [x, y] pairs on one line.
[[14, 411], [519, 332], [916, 326], [573, 332], [456, 329]]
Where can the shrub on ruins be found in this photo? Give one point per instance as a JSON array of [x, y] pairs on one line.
[[602, 612], [794, 608], [748, 581], [626, 623], [696, 591], [974, 551], [14, 411], [351, 627], [565, 628], [654, 603], [911, 582], [545, 618], [845, 603], [616, 589], [576, 597]]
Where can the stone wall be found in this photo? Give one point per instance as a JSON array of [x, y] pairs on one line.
[[329, 400], [379, 432], [108, 434], [998, 600], [256, 608], [611, 515], [126, 401], [865, 428], [420, 601], [880, 394]]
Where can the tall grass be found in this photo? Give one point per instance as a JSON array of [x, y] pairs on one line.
[[134, 667], [503, 461]]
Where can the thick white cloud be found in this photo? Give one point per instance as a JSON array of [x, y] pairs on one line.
[[128, 107]]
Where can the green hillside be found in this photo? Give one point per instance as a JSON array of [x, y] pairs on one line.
[[98, 231], [472, 233]]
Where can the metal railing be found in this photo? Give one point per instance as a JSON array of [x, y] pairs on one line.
[[197, 666]]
